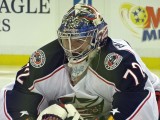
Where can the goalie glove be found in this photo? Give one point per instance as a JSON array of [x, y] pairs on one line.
[[60, 112], [55, 111]]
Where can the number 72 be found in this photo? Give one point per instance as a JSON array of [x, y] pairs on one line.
[[134, 66]]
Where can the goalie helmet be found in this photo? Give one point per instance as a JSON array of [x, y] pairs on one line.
[[82, 30]]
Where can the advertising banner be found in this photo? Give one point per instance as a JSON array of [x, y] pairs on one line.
[[138, 23], [26, 25]]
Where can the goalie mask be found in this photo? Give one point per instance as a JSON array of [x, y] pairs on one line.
[[82, 31]]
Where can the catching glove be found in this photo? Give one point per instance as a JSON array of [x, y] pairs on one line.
[[55, 111]]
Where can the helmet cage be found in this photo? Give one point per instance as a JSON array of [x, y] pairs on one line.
[[65, 40]]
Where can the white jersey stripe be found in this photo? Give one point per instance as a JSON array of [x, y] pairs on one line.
[[104, 80], [45, 77]]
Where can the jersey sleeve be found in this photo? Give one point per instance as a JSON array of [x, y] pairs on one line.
[[133, 101], [41, 63], [132, 77], [22, 102], [21, 105]]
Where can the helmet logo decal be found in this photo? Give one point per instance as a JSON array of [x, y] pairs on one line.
[[38, 59], [112, 60], [79, 18]]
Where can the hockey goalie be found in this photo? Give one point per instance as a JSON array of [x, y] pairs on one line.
[[82, 75]]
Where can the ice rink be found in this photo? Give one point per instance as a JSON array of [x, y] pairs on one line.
[[8, 74]]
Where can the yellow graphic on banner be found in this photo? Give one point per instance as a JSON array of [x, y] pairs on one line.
[[138, 16], [142, 21]]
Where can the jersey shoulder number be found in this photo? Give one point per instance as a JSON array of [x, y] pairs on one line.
[[121, 45]]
